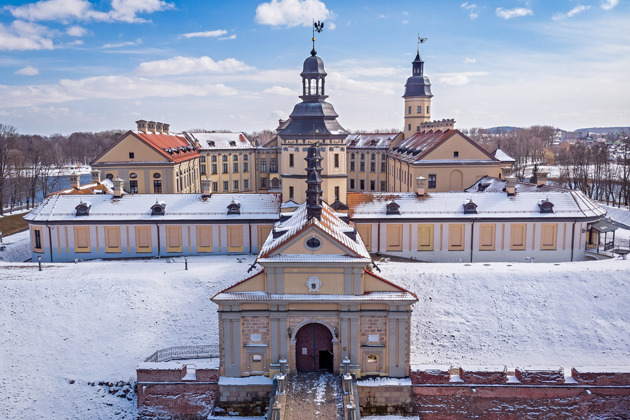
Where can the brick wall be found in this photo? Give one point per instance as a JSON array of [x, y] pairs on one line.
[[247, 400], [386, 400], [255, 325], [373, 325]]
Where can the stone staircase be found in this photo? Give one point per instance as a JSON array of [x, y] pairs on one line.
[[314, 396]]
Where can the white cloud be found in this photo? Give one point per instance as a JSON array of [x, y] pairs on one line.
[[207, 34], [290, 13], [65, 10], [279, 90], [512, 13], [185, 65], [469, 60], [577, 9], [123, 44], [233, 36], [76, 31], [27, 71], [609, 4], [471, 8], [459, 79], [22, 36]]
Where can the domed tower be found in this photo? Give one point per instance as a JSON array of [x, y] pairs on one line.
[[417, 97], [313, 121]]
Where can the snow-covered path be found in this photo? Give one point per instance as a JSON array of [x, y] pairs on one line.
[[94, 321]]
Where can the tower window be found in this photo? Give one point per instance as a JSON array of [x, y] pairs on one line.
[[352, 184], [336, 160], [455, 154], [409, 110], [336, 193], [291, 160], [419, 110], [131, 155], [291, 191], [409, 127], [427, 109]]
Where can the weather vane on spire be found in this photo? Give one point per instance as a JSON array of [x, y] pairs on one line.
[[317, 26], [420, 41]]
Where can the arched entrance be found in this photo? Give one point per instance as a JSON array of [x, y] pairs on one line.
[[313, 348], [456, 181]]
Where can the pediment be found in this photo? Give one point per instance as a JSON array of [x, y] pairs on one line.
[[313, 241], [466, 148]]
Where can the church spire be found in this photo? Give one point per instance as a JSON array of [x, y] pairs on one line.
[[314, 182]]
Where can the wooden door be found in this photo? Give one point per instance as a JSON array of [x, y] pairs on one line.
[[313, 348]]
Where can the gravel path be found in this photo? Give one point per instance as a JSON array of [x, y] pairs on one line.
[[314, 396]]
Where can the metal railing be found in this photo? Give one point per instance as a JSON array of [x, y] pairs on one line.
[[278, 401], [184, 352], [351, 407]]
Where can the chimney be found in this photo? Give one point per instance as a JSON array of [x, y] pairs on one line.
[[420, 186], [541, 178], [119, 187], [96, 175], [510, 186], [142, 125], [158, 127], [151, 126], [206, 188], [506, 171], [74, 180], [165, 128]]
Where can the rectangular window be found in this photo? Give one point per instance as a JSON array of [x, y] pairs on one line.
[[425, 237], [336, 160], [291, 160], [204, 238], [352, 165], [235, 168], [37, 240], [224, 158], [456, 237], [235, 238], [427, 109], [432, 181], [362, 185], [131, 155], [372, 185], [419, 110], [383, 169], [202, 158], [202, 169], [246, 184], [383, 186], [394, 237], [372, 166], [487, 237], [362, 166], [133, 187], [173, 238], [245, 167], [215, 186], [455, 154], [291, 191], [409, 110], [157, 186], [225, 168], [112, 239], [235, 158], [143, 239], [263, 166], [548, 236], [272, 166], [235, 185], [263, 182], [214, 168], [409, 126], [226, 186], [336, 193], [518, 237], [81, 239], [214, 158], [352, 184]]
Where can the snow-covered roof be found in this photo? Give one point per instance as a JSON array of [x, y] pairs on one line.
[[502, 156], [105, 186], [137, 207], [370, 140], [212, 141], [310, 258], [329, 223], [492, 184], [313, 297], [490, 205]]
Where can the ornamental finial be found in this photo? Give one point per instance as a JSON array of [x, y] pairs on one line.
[[317, 26], [420, 41]]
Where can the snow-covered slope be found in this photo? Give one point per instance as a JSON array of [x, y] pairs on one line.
[[94, 321]]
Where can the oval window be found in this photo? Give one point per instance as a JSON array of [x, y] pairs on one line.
[[133, 175], [313, 243], [157, 175]]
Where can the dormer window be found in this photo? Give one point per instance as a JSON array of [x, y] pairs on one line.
[[83, 209], [546, 206], [393, 207], [211, 143], [234, 207], [158, 209], [232, 143], [470, 207]]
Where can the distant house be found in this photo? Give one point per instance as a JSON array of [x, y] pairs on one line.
[[367, 160], [151, 161]]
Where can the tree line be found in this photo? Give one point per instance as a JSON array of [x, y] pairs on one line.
[[31, 163]]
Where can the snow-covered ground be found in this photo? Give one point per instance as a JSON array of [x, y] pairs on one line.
[[15, 247], [71, 325]]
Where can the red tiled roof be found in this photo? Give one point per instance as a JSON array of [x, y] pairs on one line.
[[173, 147]]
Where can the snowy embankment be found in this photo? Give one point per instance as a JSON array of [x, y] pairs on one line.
[[95, 321]]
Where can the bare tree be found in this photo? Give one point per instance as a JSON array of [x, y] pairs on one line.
[[7, 139]]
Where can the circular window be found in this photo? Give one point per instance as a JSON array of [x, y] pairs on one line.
[[109, 176], [157, 175], [313, 243], [133, 175]]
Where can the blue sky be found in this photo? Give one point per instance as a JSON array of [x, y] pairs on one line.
[[76, 65]]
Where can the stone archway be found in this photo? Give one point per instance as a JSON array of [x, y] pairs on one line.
[[456, 181], [314, 348]]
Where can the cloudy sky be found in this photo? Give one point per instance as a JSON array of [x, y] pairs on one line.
[[79, 65]]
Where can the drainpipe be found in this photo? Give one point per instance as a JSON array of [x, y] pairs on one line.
[[158, 239], [50, 241], [250, 237], [378, 249], [472, 239], [573, 239]]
